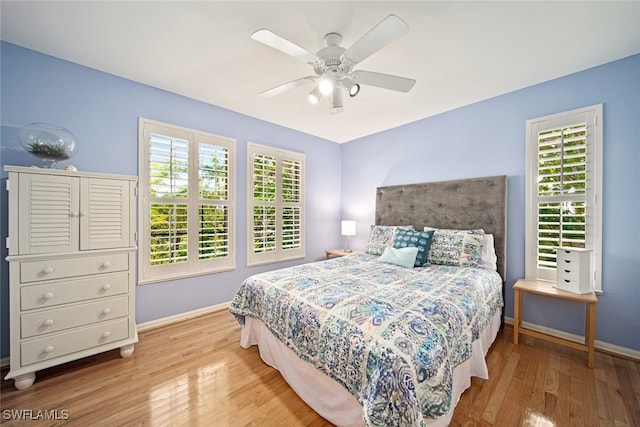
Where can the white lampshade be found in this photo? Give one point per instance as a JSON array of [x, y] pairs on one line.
[[348, 228]]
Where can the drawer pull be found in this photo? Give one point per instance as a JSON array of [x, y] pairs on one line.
[[567, 281], [567, 271], [48, 295], [106, 334], [48, 349], [106, 311], [106, 286], [106, 264], [48, 270], [568, 261], [49, 322]]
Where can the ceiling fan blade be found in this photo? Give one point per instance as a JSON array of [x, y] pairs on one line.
[[385, 81], [388, 30], [287, 86], [275, 41]]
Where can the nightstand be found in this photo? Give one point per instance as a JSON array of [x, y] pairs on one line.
[[539, 287], [338, 253]]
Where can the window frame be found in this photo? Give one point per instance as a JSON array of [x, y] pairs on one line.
[[279, 254], [193, 266], [592, 116]]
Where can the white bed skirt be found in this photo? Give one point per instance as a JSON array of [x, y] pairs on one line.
[[328, 398]]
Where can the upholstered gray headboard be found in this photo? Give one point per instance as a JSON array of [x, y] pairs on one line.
[[461, 204]]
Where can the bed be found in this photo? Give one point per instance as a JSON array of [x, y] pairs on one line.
[[367, 342]]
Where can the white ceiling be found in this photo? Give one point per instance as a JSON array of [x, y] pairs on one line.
[[459, 52]]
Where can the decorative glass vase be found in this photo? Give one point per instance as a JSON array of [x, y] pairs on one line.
[[50, 143]]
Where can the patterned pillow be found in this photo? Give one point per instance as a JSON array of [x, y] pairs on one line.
[[404, 257], [417, 239], [381, 236], [456, 247]]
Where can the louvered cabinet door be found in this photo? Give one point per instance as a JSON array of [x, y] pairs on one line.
[[48, 214], [105, 213]]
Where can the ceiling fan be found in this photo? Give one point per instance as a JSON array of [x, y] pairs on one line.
[[333, 64]]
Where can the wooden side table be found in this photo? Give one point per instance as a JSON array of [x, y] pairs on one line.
[[546, 288], [338, 253]]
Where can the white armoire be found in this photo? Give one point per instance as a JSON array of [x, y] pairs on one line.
[[71, 254]]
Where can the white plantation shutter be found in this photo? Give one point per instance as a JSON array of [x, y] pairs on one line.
[[214, 232], [188, 199], [275, 220], [563, 186], [291, 199]]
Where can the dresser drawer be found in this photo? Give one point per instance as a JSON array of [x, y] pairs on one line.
[[61, 292], [568, 262], [56, 345], [58, 319], [566, 275], [569, 282], [59, 268]]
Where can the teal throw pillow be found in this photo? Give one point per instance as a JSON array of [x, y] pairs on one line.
[[416, 239]]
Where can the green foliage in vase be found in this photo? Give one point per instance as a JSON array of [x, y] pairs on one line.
[[48, 150]]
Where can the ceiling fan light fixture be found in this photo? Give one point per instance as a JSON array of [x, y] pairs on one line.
[[325, 85], [351, 86], [355, 89], [314, 96]]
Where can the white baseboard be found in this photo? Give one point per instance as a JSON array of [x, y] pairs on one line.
[[601, 345], [152, 324]]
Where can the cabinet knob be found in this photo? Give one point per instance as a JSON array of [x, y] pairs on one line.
[[106, 334], [83, 213], [106, 286], [75, 214], [106, 311], [48, 270], [48, 295], [48, 349], [49, 322], [106, 264]]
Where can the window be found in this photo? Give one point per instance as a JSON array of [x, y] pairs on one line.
[[187, 202], [564, 190], [275, 217]]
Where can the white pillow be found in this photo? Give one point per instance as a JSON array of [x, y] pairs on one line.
[[488, 258]]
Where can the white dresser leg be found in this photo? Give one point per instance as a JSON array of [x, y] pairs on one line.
[[24, 381], [126, 350]]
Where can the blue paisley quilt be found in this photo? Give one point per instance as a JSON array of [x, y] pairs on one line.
[[390, 335]]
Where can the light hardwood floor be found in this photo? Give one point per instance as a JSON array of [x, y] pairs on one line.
[[194, 373]]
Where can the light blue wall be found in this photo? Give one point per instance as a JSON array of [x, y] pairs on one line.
[[103, 110], [488, 138]]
